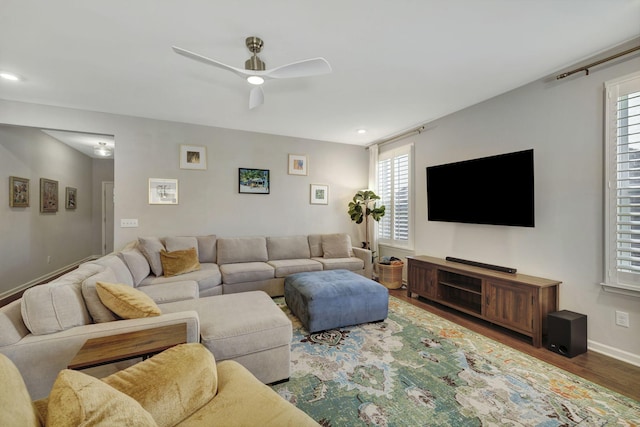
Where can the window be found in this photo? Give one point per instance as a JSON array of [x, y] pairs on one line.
[[622, 215], [394, 189]]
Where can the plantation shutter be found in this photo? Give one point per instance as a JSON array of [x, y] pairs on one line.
[[622, 244], [394, 189]]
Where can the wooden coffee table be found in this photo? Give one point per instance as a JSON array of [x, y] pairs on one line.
[[116, 348]]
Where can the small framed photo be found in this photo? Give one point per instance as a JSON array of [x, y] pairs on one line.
[[253, 181], [319, 194], [297, 164], [163, 191], [193, 157], [18, 192], [48, 195], [71, 197]]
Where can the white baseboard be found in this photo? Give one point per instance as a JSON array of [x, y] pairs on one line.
[[47, 277], [613, 352]]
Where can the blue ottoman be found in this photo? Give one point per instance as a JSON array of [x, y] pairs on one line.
[[331, 299]]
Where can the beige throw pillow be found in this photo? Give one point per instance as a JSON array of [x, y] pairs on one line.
[[78, 399], [336, 245], [126, 302], [179, 262], [150, 248]]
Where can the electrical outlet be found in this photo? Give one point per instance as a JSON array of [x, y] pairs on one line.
[[622, 319], [128, 223]]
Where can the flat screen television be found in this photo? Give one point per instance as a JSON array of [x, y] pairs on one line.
[[495, 190]]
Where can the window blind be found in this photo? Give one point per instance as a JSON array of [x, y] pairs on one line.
[[394, 189], [622, 249]]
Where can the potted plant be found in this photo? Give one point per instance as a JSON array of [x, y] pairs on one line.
[[361, 207]]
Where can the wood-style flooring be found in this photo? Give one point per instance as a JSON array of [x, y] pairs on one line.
[[613, 374]]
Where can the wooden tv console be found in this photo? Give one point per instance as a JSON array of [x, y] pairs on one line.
[[514, 301]]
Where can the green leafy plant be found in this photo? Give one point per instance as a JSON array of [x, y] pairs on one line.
[[362, 207]]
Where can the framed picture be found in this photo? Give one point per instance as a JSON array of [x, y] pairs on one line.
[[18, 192], [319, 194], [297, 164], [71, 197], [163, 191], [48, 195], [253, 181], [193, 157]]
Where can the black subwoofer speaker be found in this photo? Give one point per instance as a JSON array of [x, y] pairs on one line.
[[567, 332]]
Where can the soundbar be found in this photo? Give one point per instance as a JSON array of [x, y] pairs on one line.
[[482, 265]]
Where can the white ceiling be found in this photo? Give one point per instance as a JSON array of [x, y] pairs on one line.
[[396, 64]]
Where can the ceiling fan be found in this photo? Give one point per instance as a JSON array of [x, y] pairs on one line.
[[255, 71]]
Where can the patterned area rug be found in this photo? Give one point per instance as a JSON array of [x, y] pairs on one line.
[[417, 369]]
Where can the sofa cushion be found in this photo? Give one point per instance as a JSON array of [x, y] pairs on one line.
[[150, 248], [136, 263], [285, 267], [162, 293], [54, 307], [79, 274], [173, 384], [288, 247], [336, 245], [12, 327], [17, 408], [242, 249], [98, 311], [207, 248], [78, 399], [208, 277], [352, 263], [126, 302], [118, 266], [179, 261], [246, 272], [179, 243]]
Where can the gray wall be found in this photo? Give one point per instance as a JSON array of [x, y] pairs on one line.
[[563, 122], [28, 236], [209, 202]]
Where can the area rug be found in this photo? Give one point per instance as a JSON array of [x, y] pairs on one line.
[[417, 369]]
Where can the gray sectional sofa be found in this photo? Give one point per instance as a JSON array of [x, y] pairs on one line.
[[42, 331]]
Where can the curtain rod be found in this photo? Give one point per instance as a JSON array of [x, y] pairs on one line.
[[417, 130], [586, 67]]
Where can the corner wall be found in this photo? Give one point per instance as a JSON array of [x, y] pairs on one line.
[[563, 122]]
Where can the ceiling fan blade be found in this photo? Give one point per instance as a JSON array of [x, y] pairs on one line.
[[304, 68], [197, 57], [256, 97]]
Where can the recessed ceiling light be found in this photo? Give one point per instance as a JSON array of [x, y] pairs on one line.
[[362, 131], [9, 76]]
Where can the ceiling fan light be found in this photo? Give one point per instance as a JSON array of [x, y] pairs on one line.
[[102, 150], [255, 80]]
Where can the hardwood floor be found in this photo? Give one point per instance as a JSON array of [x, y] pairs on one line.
[[613, 374]]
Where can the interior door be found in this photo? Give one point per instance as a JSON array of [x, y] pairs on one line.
[[107, 217]]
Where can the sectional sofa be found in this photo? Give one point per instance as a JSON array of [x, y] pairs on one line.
[[220, 291]]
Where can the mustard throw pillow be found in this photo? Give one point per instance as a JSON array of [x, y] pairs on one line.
[[179, 262], [125, 301], [78, 399]]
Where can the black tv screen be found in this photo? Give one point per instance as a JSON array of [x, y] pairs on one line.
[[495, 190]]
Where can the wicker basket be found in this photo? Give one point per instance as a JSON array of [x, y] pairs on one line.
[[390, 275]]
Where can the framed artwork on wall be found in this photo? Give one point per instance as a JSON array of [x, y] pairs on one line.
[[163, 191], [18, 192], [71, 197], [193, 157], [48, 195], [319, 194], [253, 181], [297, 164]]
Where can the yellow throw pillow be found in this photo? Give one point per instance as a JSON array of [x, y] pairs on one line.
[[79, 399], [126, 302], [179, 262]]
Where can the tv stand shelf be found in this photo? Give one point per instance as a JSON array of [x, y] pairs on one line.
[[514, 301]]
